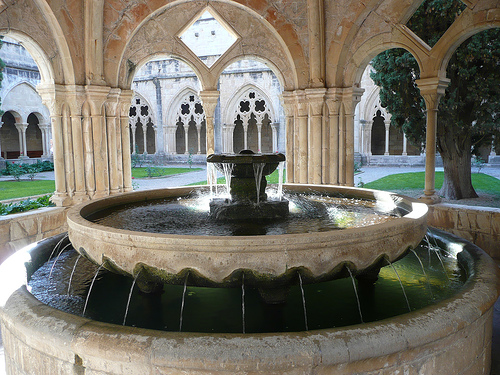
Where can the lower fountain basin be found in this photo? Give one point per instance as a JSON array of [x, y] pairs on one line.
[[450, 337], [266, 260]]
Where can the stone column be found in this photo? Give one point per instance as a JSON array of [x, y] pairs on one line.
[[259, 137], [492, 152], [274, 129], [113, 132], [21, 129], [350, 98], [288, 103], [124, 161], [316, 99], [170, 144], [431, 89], [52, 98], [144, 138], [245, 136], [387, 129], [209, 98], [301, 140], [45, 129], [96, 97], [405, 145], [132, 130], [198, 132], [186, 138], [333, 104], [75, 97]]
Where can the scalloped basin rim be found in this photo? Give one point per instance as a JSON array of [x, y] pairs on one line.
[[216, 258]]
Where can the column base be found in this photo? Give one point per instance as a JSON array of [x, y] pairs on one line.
[[61, 200], [430, 199], [80, 197]]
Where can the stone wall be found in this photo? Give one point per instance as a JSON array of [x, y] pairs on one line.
[[19, 230], [480, 225]]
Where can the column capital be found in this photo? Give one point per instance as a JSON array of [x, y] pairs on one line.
[[96, 97], [316, 100], [288, 102], [432, 89], [351, 96], [209, 99], [333, 99], [301, 103], [21, 126]]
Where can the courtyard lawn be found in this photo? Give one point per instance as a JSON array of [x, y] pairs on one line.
[[145, 172], [416, 180], [20, 189]]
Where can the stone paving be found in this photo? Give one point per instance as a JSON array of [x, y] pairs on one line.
[[368, 174]]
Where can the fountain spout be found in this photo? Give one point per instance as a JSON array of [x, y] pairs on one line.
[[247, 188]]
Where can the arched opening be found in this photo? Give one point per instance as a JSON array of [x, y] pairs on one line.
[[378, 134], [9, 136], [34, 143], [249, 108]]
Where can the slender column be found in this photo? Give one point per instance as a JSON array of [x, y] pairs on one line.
[[96, 96], [44, 139], [245, 136], [21, 131], [333, 104], [144, 139], [132, 129], [431, 89], [259, 137], [198, 131], [405, 145], [68, 151], [350, 98], [274, 129], [492, 152], [315, 98], [209, 100], [387, 129], [186, 139], [112, 118], [302, 140], [170, 142], [288, 102], [125, 169]]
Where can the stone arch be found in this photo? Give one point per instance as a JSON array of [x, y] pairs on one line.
[[23, 98], [255, 120], [469, 23], [186, 119], [260, 39], [378, 44], [45, 65]]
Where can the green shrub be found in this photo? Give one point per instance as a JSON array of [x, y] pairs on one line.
[[26, 205]]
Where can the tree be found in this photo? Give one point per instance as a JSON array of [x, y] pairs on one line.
[[469, 111]]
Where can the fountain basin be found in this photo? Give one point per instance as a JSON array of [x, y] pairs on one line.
[[453, 336], [267, 260]]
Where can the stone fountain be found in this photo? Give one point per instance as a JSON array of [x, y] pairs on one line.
[[449, 336]]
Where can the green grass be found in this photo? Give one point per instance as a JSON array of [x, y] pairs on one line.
[[416, 180], [19, 189], [144, 172]]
